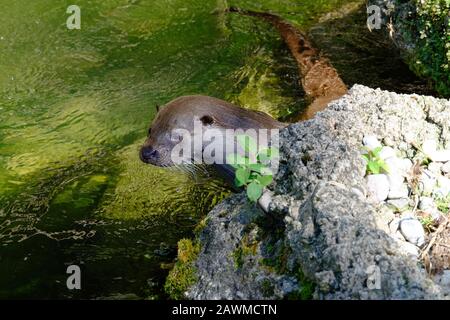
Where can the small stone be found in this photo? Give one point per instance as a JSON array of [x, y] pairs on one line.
[[440, 156], [265, 200], [398, 235], [443, 279], [413, 231], [408, 248], [435, 167], [444, 184], [446, 167], [399, 205], [429, 147], [388, 141], [399, 166], [386, 153], [427, 204], [406, 165], [377, 187], [403, 146], [397, 189], [371, 142], [394, 225], [427, 182]]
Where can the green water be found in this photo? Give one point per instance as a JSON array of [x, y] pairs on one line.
[[74, 108]]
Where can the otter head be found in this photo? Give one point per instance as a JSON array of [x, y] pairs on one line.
[[168, 130]]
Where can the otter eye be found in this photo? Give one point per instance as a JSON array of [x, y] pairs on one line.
[[207, 120]]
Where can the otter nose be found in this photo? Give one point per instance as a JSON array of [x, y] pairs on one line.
[[148, 154]]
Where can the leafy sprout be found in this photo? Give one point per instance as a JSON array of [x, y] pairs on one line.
[[252, 170], [375, 164]]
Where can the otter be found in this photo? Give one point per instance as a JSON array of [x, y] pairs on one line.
[[318, 78], [212, 114], [182, 113]]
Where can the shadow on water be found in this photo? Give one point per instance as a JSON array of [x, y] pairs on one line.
[[75, 106]]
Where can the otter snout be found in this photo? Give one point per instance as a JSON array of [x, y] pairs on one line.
[[148, 154]]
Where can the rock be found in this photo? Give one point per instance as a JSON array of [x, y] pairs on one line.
[[394, 225], [371, 142], [427, 204], [435, 168], [429, 147], [408, 248], [406, 166], [440, 156], [399, 205], [443, 280], [377, 187], [265, 200], [446, 167], [399, 166], [413, 231], [427, 182], [388, 141], [444, 187], [335, 235], [386, 153], [397, 189]]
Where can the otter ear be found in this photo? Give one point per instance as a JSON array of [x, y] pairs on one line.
[[157, 108], [207, 120]]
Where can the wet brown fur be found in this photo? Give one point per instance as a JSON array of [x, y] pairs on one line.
[[319, 79]]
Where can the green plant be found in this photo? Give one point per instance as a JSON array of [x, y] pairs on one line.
[[375, 164], [427, 222], [428, 29], [253, 169], [443, 203]]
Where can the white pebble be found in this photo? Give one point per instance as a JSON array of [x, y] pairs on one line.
[[443, 189], [427, 204], [446, 167], [440, 156], [413, 231], [386, 153], [377, 187], [435, 167], [429, 147], [427, 182], [371, 142], [397, 189]]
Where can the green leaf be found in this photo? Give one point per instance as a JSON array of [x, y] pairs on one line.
[[238, 183], [268, 154], [383, 166], [254, 191], [247, 143], [242, 175], [266, 172], [365, 157], [374, 167], [265, 180], [256, 167], [376, 151]]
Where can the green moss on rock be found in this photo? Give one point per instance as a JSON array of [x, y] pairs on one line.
[[183, 274]]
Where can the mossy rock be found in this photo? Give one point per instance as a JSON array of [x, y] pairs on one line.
[[183, 274]]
